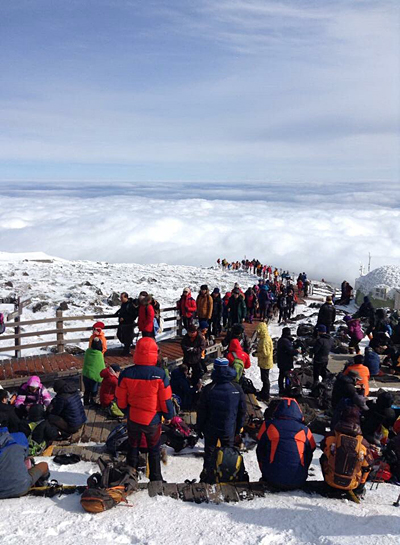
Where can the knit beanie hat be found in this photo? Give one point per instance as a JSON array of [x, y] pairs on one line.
[[221, 362]]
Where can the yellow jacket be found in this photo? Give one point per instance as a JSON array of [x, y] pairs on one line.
[[265, 347]]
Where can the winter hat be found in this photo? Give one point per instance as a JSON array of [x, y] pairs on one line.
[[321, 328], [237, 330], [359, 359], [328, 299], [216, 290], [221, 362], [115, 367], [204, 287], [236, 290], [98, 325], [186, 290], [192, 328], [347, 318], [237, 285], [286, 332], [146, 352], [203, 324], [59, 385]]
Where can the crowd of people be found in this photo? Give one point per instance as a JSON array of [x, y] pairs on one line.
[[150, 397]]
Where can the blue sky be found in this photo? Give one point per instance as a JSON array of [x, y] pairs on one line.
[[182, 90]]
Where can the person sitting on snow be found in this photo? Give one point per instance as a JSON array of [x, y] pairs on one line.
[[15, 477], [285, 446]]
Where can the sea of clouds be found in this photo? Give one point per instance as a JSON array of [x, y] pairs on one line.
[[326, 230]]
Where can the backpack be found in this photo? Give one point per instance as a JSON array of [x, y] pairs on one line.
[[247, 386], [305, 330], [344, 467], [228, 466], [117, 440], [293, 385], [179, 435], [110, 487], [2, 324], [238, 366]]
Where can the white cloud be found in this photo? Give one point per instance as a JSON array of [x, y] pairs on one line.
[[327, 233]]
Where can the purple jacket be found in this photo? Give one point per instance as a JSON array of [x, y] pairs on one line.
[[25, 397], [355, 330]]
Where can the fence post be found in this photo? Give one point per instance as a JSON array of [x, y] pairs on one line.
[[60, 332], [17, 329]]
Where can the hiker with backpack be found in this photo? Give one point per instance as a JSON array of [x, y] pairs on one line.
[[144, 389], [32, 392], [355, 333], [358, 365], [146, 315], [15, 477], [127, 315], [238, 359], [186, 308], [220, 414], [66, 411], [285, 446], [93, 364], [265, 359], [285, 356], [320, 352], [346, 459]]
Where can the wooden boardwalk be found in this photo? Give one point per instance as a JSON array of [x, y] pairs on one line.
[[49, 367]]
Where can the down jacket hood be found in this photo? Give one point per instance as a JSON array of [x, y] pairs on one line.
[[262, 331], [146, 352], [288, 409]]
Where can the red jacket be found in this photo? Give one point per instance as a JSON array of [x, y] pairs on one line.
[[144, 388], [108, 386], [146, 318], [186, 306], [235, 346]]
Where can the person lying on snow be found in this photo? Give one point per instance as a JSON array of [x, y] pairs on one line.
[[16, 475], [32, 392], [285, 447]]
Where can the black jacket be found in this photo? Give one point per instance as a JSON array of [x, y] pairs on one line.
[[180, 385], [322, 347], [10, 420], [129, 312], [68, 404], [217, 308], [192, 350], [343, 388], [222, 405], [285, 353], [327, 315]]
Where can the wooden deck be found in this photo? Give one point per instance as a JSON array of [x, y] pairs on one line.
[[49, 367]]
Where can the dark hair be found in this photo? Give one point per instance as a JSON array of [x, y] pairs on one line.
[[3, 395], [124, 293]]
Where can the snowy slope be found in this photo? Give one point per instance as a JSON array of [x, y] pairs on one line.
[[285, 518]]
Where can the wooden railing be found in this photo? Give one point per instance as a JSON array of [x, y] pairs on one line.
[[60, 331]]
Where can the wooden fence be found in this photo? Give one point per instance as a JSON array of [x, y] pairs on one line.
[[57, 327]]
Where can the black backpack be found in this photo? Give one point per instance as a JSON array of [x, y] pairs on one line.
[[247, 385], [228, 466], [117, 440]]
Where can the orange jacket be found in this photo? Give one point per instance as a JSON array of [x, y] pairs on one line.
[[144, 388], [103, 339], [363, 371]]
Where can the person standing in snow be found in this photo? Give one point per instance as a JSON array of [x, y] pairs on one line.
[[215, 325], [186, 307], [146, 316], [127, 315], [204, 304], [236, 308], [285, 356], [265, 359], [320, 352], [327, 314]]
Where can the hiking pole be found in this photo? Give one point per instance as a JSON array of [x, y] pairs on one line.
[[397, 502]]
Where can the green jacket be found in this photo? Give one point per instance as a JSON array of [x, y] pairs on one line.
[[93, 364]]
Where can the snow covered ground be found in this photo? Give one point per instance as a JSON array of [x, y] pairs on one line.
[[291, 518]]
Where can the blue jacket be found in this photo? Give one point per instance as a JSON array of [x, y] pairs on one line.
[[222, 405], [372, 361], [68, 404], [285, 447], [14, 477]]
